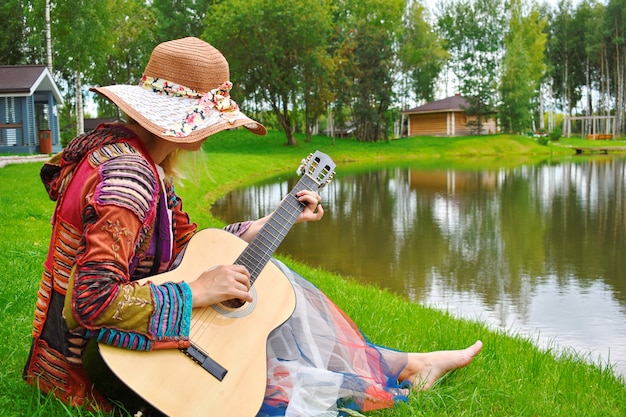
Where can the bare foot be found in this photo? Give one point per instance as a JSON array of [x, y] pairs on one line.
[[424, 369]]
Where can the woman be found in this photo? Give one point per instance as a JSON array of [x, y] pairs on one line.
[[117, 219]]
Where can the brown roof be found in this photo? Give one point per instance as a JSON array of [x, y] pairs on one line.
[[25, 79], [454, 103], [91, 124], [19, 78]]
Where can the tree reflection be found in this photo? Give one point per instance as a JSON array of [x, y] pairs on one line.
[[497, 239], [480, 232]]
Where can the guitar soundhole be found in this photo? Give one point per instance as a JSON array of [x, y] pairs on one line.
[[234, 303], [236, 308]]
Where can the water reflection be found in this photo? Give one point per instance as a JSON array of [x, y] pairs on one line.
[[536, 249]]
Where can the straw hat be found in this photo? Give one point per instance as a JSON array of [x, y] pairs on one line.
[[183, 95]]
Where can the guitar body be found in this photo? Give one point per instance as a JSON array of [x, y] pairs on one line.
[[234, 338]]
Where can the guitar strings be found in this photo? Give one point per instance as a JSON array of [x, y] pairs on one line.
[[265, 244]]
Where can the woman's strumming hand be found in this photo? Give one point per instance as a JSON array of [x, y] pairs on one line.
[[221, 283]]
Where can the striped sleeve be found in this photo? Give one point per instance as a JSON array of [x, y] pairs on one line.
[[172, 307], [238, 229]]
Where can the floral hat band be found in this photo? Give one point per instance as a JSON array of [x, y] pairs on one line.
[[216, 99]]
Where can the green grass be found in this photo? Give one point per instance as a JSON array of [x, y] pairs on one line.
[[511, 376]]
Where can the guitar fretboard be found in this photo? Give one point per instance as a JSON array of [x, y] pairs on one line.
[[262, 247]]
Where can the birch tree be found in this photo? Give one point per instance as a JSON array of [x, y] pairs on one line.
[[615, 24], [79, 28], [565, 56], [474, 33], [368, 33], [523, 67], [421, 54]]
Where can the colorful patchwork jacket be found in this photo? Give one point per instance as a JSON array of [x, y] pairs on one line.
[[115, 222]]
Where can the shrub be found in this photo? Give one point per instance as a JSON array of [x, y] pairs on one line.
[[556, 133]]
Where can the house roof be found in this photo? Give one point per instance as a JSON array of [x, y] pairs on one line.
[[454, 103], [25, 80], [91, 123]]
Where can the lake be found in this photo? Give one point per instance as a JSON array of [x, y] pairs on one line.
[[537, 250]]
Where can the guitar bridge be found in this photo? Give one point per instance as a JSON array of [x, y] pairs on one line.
[[205, 361]]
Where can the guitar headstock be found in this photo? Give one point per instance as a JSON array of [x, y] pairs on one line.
[[318, 166]]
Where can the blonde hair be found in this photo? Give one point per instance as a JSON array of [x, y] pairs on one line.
[[171, 161], [170, 164]]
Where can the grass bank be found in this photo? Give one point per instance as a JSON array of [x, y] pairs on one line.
[[511, 377]]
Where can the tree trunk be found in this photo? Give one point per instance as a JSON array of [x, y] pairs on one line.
[[48, 38], [542, 124], [285, 122], [589, 98], [80, 118], [620, 90], [602, 110], [308, 124], [330, 123], [567, 128]]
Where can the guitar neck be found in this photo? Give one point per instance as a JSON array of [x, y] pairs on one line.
[[262, 247]]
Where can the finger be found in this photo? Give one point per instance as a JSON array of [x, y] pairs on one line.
[[245, 280], [310, 200], [246, 296], [307, 193], [240, 269], [241, 291], [319, 211]]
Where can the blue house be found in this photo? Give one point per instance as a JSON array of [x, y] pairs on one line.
[[29, 117]]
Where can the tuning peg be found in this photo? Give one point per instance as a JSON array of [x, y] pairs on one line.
[[303, 164]]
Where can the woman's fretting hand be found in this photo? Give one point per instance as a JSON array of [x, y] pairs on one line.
[[221, 283], [313, 211]]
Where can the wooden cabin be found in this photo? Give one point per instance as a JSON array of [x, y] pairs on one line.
[[445, 118]]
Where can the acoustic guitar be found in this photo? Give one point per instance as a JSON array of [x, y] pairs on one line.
[[224, 372]]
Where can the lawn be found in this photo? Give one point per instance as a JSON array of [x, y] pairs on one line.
[[511, 376]]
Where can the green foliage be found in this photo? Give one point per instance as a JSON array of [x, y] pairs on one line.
[[523, 67], [13, 32], [556, 133], [421, 54], [96, 43], [127, 46], [80, 29], [371, 84], [368, 33], [275, 49], [178, 19], [474, 38], [566, 55], [346, 60]]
